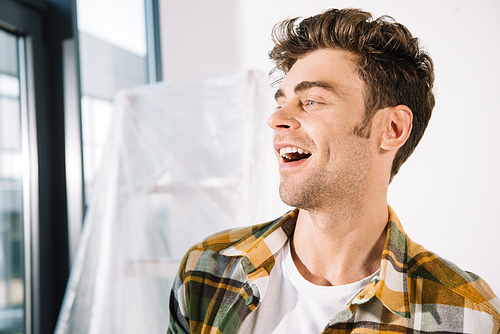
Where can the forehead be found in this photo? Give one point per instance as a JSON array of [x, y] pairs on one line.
[[334, 67]]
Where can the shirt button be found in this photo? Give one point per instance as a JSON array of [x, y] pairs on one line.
[[249, 300]]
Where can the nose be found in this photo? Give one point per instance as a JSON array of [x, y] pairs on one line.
[[283, 118]]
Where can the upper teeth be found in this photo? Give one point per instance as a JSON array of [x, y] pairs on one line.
[[285, 150]]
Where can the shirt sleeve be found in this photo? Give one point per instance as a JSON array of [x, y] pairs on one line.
[[179, 321]]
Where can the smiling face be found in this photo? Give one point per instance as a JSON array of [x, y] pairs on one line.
[[320, 104]]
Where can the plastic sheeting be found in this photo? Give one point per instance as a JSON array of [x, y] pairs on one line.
[[183, 160]]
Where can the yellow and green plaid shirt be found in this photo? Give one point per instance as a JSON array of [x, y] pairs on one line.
[[224, 278]]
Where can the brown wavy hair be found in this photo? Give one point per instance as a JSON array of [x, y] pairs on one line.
[[390, 61]]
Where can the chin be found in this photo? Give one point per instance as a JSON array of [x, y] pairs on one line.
[[297, 197]]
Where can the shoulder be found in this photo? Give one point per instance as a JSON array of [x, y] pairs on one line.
[[222, 240], [436, 283], [225, 246], [443, 284]]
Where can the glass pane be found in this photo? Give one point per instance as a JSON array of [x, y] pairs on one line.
[[11, 196], [113, 56], [96, 119]]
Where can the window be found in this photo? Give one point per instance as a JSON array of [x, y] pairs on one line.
[[113, 56], [12, 287]]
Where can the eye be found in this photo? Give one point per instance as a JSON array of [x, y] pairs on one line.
[[311, 103]]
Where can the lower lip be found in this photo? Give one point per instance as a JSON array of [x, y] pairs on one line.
[[293, 164]]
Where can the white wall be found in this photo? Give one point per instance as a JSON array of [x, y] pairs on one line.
[[448, 193]]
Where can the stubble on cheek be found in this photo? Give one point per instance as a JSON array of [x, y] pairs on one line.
[[340, 183]]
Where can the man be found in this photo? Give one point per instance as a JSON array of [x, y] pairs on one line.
[[355, 101]]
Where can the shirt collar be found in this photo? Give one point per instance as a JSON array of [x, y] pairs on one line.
[[260, 247], [390, 286]]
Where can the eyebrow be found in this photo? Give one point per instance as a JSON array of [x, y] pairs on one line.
[[304, 85]]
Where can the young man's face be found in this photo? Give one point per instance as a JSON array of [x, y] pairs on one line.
[[320, 102]]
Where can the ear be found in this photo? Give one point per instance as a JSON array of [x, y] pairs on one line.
[[397, 127]]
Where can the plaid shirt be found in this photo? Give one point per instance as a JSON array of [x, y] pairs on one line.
[[223, 279]]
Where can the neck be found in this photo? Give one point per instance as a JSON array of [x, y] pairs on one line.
[[341, 244]]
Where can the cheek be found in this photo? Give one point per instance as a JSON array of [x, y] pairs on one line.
[[335, 141], [349, 150]]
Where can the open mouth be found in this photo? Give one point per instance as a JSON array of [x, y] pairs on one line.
[[290, 154]]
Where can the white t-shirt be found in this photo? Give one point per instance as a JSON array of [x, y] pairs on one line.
[[294, 305]]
